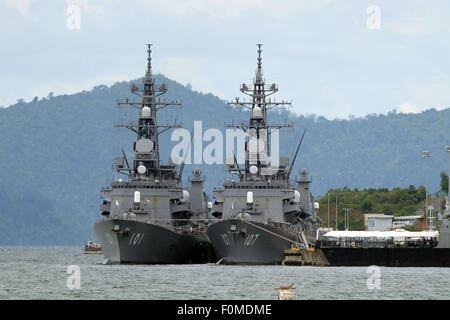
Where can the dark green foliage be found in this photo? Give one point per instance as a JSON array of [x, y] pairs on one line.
[[444, 182], [398, 202], [367, 206], [57, 152]]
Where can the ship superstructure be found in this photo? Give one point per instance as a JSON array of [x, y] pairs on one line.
[[148, 217], [260, 213]]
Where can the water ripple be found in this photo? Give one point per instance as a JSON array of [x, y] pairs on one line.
[[40, 273]]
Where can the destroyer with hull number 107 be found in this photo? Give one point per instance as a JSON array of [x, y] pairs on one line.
[[150, 217], [262, 214]]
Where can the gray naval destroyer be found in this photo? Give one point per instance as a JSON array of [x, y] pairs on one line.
[[149, 217], [262, 213]]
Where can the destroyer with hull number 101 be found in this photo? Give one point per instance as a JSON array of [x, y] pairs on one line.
[[262, 214], [150, 217]]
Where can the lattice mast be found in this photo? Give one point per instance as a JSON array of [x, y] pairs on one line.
[[146, 147], [258, 125]]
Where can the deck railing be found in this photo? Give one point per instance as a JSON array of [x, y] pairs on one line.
[[422, 243]]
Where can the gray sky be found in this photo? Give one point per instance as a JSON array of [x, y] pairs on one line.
[[322, 53]]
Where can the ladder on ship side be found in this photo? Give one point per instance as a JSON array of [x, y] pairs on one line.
[[303, 238]]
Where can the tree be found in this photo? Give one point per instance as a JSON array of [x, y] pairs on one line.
[[367, 206], [421, 193], [444, 182]]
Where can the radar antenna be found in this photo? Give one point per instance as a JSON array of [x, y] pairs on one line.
[[258, 126], [147, 129]]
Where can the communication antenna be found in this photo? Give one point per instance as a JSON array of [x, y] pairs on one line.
[[296, 153], [180, 175], [126, 161]]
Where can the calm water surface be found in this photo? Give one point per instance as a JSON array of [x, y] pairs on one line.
[[41, 273]]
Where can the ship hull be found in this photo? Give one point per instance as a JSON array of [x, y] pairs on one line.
[[389, 257], [248, 243], [134, 242]]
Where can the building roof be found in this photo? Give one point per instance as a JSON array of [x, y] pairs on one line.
[[380, 216], [408, 217], [382, 234]]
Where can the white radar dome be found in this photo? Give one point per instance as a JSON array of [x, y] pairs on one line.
[[316, 205], [257, 113], [185, 197], [146, 113], [296, 196], [253, 169], [141, 169], [144, 145]]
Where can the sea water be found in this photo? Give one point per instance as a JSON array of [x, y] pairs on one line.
[[42, 273]]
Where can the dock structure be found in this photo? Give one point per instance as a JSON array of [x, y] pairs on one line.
[[305, 257]]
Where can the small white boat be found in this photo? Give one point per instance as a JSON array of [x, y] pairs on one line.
[[92, 247]]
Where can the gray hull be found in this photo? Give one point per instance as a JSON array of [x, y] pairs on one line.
[[136, 242], [248, 243]]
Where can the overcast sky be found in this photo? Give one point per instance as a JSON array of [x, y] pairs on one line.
[[328, 56]]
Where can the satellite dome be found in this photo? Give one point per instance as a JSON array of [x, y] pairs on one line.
[[316, 205], [257, 113], [144, 145], [146, 113], [141, 169], [296, 196], [185, 197], [253, 169]]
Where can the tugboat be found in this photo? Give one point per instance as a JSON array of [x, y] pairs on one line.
[[149, 217], [92, 248], [260, 215]]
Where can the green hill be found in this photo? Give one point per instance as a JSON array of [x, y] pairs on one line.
[[57, 152], [398, 202]]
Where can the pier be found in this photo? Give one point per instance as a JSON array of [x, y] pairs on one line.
[[305, 257]]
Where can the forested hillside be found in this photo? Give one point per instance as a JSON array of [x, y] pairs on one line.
[[398, 202], [57, 152]]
